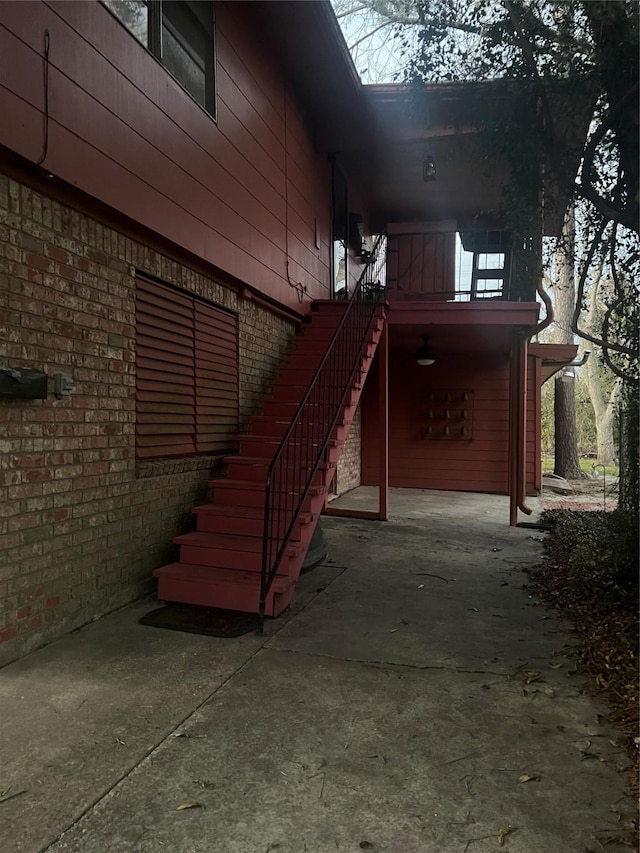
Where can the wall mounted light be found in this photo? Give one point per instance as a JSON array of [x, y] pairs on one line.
[[424, 355], [429, 169]]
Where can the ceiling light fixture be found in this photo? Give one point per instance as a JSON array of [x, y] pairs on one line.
[[424, 355]]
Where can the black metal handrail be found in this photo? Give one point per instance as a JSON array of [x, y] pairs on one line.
[[306, 441]]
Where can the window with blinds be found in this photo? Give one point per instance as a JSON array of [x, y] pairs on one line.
[[186, 374]]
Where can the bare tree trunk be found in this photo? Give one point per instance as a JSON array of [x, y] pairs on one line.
[[604, 411], [567, 463]]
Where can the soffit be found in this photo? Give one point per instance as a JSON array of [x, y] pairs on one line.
[[382, 134]]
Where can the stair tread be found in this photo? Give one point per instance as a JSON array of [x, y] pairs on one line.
[[235, 484], [248, 512], [251, 485], [225, 541], [190, 572], [275, 438], [258, 461], [278, 419]]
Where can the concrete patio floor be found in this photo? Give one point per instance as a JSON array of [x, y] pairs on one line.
[[414, 700]]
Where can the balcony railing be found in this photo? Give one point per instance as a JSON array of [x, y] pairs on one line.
[[451, 266]]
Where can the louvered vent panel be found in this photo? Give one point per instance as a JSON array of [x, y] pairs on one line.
[[186, 374], [216, 375], [165, 384]]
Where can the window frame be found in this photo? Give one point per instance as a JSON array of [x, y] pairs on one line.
[[155, 27]]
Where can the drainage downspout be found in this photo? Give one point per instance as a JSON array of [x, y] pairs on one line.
[[518, 477]]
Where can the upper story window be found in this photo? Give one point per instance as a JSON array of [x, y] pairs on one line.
[[340, 227], [180, 34]]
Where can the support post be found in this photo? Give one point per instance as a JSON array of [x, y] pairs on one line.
[[522, 438], [383, 406], [514, 371]]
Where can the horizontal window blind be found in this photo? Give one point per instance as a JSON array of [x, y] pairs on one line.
[[186, 374]]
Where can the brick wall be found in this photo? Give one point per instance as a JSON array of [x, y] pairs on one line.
[[348, 470], [263, 340], [82, 524]]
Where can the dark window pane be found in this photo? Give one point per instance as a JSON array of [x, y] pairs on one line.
[[185, 67], [134, 14]]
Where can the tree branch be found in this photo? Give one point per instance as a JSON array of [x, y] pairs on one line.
[[605, 345], [368, 35], [621, 374], [517, 25], [585, 187], [353, 10]]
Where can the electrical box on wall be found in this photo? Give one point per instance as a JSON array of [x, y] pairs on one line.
[[448, 415], [62, 385], [23, 384]]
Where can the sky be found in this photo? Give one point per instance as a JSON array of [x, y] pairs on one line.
[[374, 51]]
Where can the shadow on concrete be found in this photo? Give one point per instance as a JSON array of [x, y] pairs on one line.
[[415, 699]]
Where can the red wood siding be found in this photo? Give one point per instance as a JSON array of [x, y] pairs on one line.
[[186, 374], [122, 130], [478, 465]]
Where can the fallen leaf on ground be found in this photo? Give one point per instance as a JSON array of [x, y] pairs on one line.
[[503, 832], [528, 777], [189, 804], [5, 795]]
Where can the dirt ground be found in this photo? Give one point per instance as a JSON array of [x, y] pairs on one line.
[[587, 494]]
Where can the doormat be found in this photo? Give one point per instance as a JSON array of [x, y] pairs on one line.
[[195, 619]]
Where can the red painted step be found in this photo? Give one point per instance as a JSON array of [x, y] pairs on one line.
[[242, 520], [255, 468], [316, 334], [311, 347], [227, 551], [229, 589], [319, 318], [286, 411], [266, 446], [246, 492], [304, 375], [295, 393], [311, 352], [272, 426]]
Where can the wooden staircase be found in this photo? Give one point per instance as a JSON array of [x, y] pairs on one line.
[[220, 563]]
